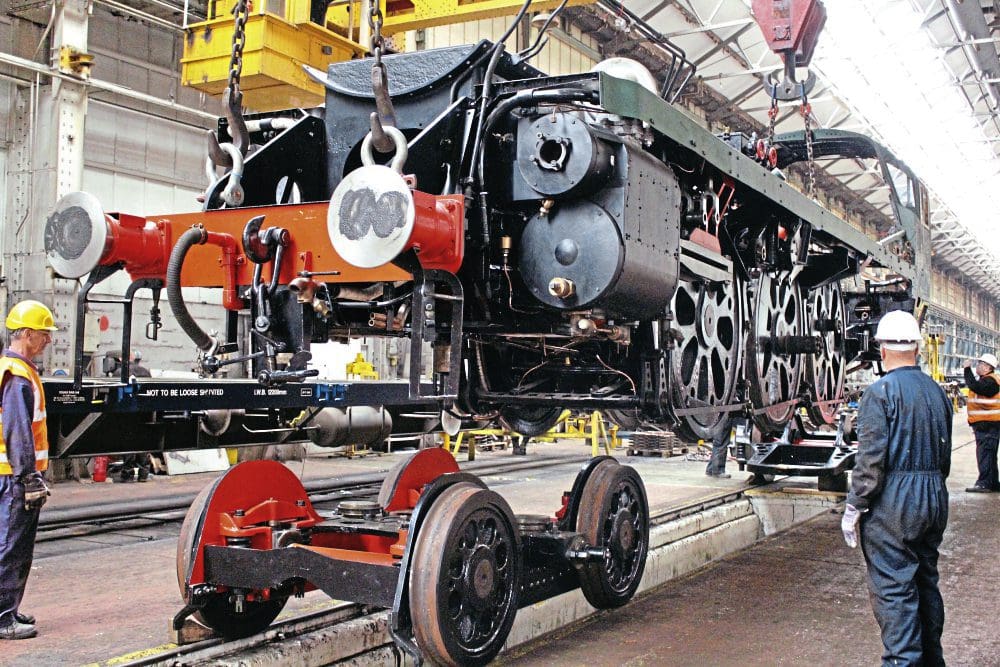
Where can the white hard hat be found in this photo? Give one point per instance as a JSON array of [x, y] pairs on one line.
[[898, 330], [990, 359]]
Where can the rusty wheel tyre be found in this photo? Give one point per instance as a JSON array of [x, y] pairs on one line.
[[219, 612], [464, 577], [614, 514]]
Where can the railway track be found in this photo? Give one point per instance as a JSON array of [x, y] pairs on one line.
[[219, 651]]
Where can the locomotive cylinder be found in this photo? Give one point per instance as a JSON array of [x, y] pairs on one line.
[[608, 240], [560, 156]]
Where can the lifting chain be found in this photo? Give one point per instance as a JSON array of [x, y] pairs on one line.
[[230, 155], [241, 12], [772, 119], [232, 98], [375, 21], [385, 114], [806, 110]]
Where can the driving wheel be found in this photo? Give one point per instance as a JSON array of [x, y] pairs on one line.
[[705, 361], [772, 376], [825, 370]]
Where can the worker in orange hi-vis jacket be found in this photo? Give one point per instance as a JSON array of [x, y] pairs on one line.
[[24, 456], [983, 410]]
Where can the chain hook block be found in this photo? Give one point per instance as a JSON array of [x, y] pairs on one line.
[[232, 194], [399, 145]]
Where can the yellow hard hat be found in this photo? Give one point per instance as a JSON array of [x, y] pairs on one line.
[[31, 315]]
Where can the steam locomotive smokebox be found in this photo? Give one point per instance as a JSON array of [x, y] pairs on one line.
[[609, 247]]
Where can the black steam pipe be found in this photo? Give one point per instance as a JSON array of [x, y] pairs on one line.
[[190, 238]]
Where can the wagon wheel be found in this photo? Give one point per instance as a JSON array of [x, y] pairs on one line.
[[464, 577], [614, 514], [529, 421], [825, 370], [219, 612], [493, 368], [705, 362], [772, 378]]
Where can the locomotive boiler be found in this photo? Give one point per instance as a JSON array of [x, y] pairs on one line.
[[551, 242]]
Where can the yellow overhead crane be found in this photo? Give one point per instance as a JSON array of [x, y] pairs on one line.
[[283, 35]]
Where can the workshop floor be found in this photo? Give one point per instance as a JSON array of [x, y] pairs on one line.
[[797, 598]]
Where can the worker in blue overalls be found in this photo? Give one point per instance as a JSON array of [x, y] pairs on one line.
[[898, 499], [24, 456]]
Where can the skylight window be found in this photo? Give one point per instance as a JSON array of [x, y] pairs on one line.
[[882, 63]]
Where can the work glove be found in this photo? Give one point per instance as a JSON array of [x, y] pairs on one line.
[[35, 492], [849, 525]]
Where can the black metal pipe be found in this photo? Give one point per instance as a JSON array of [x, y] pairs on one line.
[[192, 237]]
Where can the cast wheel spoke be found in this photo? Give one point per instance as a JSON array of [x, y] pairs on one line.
[[706, 358], [773, 378]]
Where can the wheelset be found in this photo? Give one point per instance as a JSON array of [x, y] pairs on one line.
[[464, 577], [614, 515]]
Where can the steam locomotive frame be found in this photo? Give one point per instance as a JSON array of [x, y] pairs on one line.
[[556, 242]]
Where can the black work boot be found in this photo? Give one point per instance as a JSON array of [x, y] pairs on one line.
[[18, 631]]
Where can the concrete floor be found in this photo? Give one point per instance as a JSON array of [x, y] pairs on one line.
[[797, 598]]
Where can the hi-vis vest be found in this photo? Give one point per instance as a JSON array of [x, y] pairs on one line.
[[982, 408], [39, 430]]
